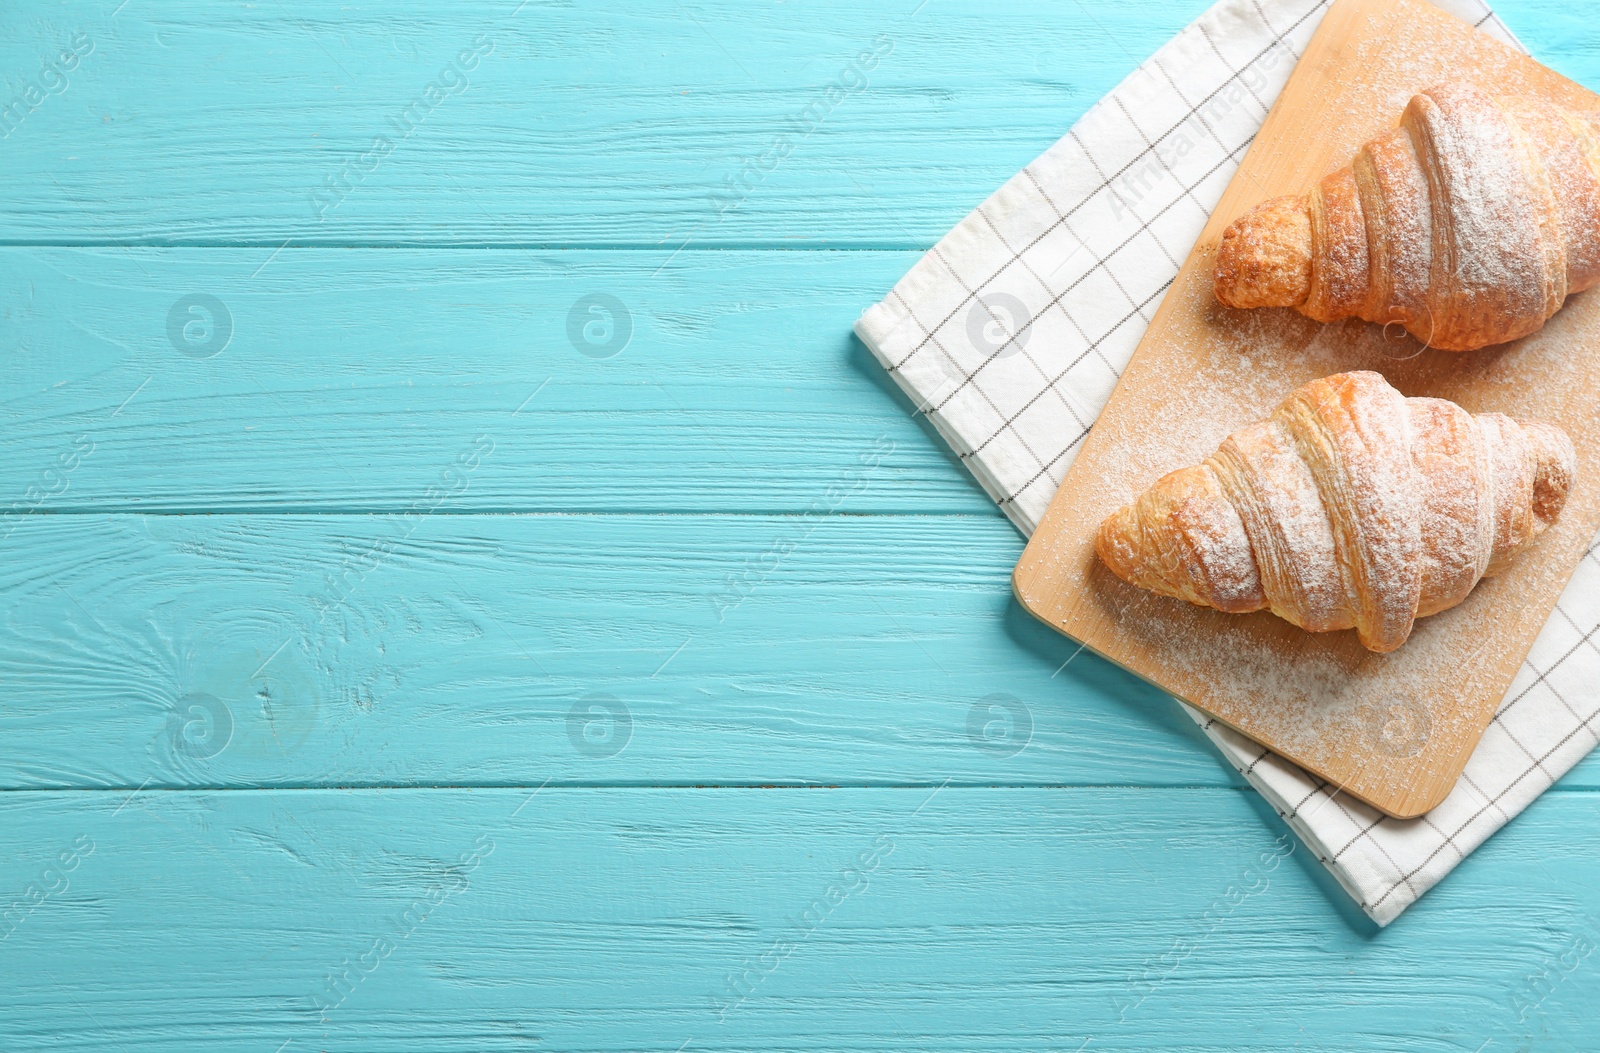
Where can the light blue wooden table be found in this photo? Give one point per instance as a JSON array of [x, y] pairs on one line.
[[479, 596]]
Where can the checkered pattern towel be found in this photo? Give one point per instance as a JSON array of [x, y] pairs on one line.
[[1012, 331]]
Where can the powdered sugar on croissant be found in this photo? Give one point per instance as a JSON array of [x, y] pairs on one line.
[[1352, 506], [1469, 225]]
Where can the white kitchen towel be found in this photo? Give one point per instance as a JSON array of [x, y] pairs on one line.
[[1012, 330]]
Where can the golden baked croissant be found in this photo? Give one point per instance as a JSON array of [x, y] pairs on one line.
[[1468, 224], [1351, 506]]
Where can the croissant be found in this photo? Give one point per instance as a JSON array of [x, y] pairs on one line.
[[1351, 506], [1469, 225]]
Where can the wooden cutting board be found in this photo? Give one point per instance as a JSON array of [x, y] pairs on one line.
[[1393, 730]]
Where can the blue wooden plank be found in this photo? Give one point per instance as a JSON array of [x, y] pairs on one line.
[[346, 381], [614, 123], [505, 650], [817, 920], [495, 650], [600, 124]]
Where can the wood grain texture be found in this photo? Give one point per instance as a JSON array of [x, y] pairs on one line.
[[606, 918], [603, 920], [350, 650], [585, 124], [350, 379], [1203, 371]]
